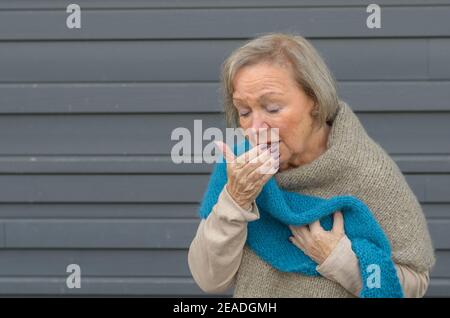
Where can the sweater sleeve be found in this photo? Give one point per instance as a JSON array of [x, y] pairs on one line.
[[216, 251], [342, 267]]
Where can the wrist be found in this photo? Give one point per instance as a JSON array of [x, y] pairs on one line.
[[244, 204]]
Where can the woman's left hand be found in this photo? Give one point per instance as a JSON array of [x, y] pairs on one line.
[[315, 241]]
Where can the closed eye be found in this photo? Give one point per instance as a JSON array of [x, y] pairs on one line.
[[272, 109]]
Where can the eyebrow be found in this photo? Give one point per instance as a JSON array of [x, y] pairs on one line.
[[262, 97]]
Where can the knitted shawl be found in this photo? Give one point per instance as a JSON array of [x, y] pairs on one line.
[[279, 207]]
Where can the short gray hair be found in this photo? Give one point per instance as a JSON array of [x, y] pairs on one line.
[[308, 68]]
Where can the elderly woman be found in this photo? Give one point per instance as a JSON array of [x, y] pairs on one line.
[[280, 81]]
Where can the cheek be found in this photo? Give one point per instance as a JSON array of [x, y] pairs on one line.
[[293, 134]]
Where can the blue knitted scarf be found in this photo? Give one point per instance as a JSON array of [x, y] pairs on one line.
[[268, 236]]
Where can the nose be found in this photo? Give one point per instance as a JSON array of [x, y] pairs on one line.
[[258, 123], [261, 128]]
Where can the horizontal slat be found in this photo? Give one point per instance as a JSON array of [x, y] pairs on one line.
[[440, 270], [439, 287], [122, 263], [158, 188], [138, 210], [164, 164], [110, 98], [102, 188], [436, 210], [439, 230], [409, 133], [104, 164], [223, 23], [2, 236], [138, 286], [38, 188], [100, 286], [109, 210], [390, 96], [142, 4], [138, 61], [95, 263], [433, 188], [439, 59], [135, 134], [133, 233], [423, 163], [73, 98], [99, 233], [97, 134]]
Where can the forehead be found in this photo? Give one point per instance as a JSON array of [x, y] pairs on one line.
[[255, 80]]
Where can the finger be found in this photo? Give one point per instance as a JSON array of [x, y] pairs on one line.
[[271, 167], [338, 223], [316, 228], [266, 176], [261, 179], [251, 154], [256, 171], [227, 153], [246, 171], [275, 147], [305, 234], [297, 242], [301, 231], [265, 165], [262, 157], [295, 228]]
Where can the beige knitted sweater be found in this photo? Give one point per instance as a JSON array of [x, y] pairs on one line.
[[353, 164]]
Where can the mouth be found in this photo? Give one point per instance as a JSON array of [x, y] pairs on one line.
[[269, 143]]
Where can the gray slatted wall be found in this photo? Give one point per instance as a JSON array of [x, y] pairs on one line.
[[86, 117]]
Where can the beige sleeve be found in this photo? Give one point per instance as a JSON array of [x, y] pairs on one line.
[[342, 267], [216, 251]]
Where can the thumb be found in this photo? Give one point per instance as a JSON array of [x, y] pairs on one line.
[[227, 152]]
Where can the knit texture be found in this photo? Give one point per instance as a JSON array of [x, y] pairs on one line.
[[354, 176]]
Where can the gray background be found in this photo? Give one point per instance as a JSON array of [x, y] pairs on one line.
[[86, 117]]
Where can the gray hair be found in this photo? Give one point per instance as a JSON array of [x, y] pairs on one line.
[[308, 69]]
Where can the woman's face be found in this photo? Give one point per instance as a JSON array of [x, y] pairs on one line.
[[266, 96]]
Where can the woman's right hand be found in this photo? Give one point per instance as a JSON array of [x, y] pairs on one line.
[[248, 172]]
